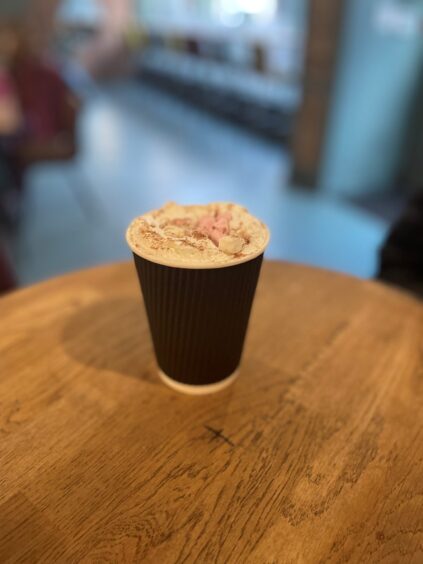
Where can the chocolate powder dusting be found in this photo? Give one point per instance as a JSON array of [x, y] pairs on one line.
[[197, 235], [180, 222]]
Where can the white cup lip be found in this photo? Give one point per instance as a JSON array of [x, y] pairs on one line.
[[196, 265]]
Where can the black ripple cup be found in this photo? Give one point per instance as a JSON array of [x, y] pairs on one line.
[[198, 318]]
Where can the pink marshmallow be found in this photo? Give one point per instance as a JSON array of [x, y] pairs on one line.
[[215, 227]]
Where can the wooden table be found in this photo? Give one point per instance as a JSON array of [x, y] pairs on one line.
[[314, 455]]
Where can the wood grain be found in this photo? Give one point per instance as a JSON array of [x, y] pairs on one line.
[[314, 455]]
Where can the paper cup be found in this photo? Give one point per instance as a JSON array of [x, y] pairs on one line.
[[198, 319]]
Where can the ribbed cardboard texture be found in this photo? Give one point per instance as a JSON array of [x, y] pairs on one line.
[[198, 318]]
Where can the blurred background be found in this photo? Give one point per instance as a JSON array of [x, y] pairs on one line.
[[305, 111]]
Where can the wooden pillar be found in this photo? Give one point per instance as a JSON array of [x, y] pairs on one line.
[[324, 29]]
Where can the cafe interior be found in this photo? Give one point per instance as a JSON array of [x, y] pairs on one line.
[[306, 113], [259, 400]]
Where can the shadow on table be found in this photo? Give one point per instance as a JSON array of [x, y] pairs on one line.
[[112, 335]]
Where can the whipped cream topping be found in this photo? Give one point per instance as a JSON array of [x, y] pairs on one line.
[[198, 236]]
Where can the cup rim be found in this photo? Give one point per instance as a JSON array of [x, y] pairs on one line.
[[197, 265]]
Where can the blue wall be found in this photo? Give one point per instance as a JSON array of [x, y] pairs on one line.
[[376, 80]]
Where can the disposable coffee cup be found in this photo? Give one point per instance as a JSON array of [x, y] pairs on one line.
[[198, 303]]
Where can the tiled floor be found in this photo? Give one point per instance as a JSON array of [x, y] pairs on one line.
[[139, 149]]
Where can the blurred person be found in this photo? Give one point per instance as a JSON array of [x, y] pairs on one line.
[[401, 258], [49, 109], [10, 112], [9, 125]]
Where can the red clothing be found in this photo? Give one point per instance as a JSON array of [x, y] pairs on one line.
[[6, 87], [42, 94]]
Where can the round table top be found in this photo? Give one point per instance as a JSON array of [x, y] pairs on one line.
[[313, 455]]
